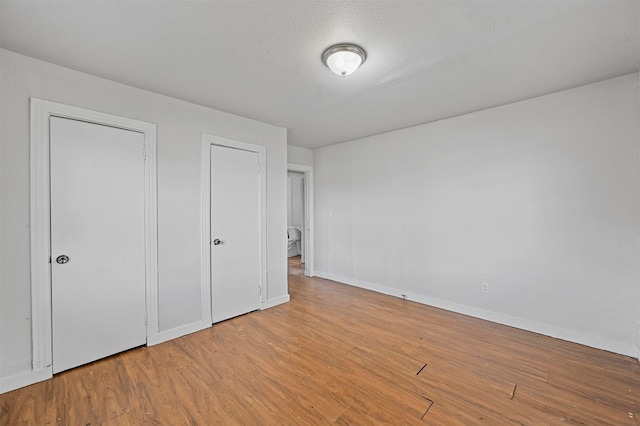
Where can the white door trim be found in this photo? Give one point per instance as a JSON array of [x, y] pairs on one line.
[[41, 111], [205, 218], [309, 268]]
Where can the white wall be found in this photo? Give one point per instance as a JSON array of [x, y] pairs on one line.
[[539, 199], [180, 128], [296, 199], [300, 156]]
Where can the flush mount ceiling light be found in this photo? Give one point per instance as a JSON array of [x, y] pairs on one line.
[[343, 59]]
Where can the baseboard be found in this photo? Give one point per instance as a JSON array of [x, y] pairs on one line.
[[586, 339], [26, 378], [274, 302], [30, 377], [174, 333]]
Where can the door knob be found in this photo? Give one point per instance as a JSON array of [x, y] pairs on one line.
[[217, 242], [62, 259]]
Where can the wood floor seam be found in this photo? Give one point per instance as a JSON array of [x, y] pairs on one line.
[[337, 354]]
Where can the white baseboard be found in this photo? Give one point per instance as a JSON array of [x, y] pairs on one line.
[[274, 302], [30, 377], [586, 339], [174, 333], [25, 379]]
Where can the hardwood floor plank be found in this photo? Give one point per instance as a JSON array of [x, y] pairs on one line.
[[593, 379], [571, 406], [338, 354]]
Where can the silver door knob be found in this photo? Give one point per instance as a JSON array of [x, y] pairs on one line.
[[62, 259], [217, 242]]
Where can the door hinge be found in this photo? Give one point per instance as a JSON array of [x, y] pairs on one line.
[[259, 290], [146, 319], [144, 153]]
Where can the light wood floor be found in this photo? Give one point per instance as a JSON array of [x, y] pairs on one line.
[[338, 354]]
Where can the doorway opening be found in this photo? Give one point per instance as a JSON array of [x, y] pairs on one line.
[[300, 218], [295, 216]]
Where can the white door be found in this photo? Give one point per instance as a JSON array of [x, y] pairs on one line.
[[235, 232], [97, 241]]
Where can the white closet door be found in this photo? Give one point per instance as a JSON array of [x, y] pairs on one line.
[[97, 241], [235, 232]]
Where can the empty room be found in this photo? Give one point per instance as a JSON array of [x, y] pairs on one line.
[[265, 212]]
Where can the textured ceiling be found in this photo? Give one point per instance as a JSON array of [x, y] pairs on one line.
[[427, 60]]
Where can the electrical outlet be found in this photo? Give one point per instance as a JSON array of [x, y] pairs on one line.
[[484, 287]]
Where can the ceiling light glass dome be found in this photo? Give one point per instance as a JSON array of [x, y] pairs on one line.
[[343, 59]]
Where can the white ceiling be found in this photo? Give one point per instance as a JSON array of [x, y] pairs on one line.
[[427, 60]]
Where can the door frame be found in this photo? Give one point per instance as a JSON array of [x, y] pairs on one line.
[[40, 220], [205, 218], [308, 234]]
